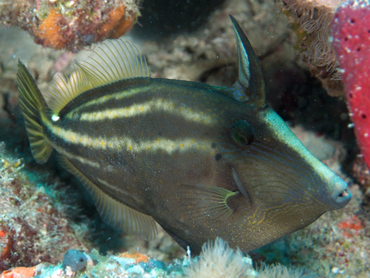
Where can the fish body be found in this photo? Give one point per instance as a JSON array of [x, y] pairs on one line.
[[201, 161]]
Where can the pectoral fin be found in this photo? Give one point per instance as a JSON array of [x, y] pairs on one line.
[[207, 200]]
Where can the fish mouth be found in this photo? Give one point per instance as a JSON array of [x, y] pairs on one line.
[[341, 194], [344, 193]]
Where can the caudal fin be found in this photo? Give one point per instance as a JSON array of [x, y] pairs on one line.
[[33, 106]]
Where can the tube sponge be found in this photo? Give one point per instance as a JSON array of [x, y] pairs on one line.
[[351, 29], [71, 24]]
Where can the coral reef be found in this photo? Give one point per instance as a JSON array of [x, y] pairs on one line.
[[361, 174], [71, 24], [312, 21], [352, 45], [32, 229], [217, 260]]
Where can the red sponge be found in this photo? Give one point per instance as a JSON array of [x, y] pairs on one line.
[[351, 41]]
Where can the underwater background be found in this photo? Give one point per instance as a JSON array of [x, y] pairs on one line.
[[44, 211]]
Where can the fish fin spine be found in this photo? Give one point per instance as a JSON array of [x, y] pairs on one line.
[[250, 85], [34, 109]]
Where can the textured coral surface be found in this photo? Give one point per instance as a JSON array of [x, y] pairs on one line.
[[311, 22], [32, 229], [71, 24], [351, 34]]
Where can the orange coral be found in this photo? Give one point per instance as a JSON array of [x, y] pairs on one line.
[[351, 226], [137, 256], [118, 23], [124, 25], [19, 272], [54, 31], [6, 243], [71, 24], [50, 30]]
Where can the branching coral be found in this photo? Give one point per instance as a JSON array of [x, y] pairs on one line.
[[71, 24]]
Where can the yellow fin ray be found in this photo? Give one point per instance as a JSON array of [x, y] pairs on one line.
[[66, 88], [111, 211], [33, 108], [204, 199], [114, 60]]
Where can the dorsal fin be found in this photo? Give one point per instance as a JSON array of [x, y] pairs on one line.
[[250, 86], [111, 211], [111, 61], [114, 60], [66, 88]]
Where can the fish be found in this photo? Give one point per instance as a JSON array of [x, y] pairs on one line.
[[201, 161]]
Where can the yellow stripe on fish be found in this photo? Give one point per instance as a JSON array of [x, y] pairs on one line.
[[142, 109], [116, 143]]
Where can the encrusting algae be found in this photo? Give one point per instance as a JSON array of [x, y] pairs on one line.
[[201, 161], [32, 228]]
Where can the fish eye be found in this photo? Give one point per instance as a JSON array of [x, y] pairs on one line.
[[242, 133]]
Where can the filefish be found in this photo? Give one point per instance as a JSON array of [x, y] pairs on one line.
[[201, 161]]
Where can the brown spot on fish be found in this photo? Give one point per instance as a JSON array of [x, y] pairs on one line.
[[218, 157]]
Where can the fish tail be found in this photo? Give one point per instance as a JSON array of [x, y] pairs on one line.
[[34, 109]]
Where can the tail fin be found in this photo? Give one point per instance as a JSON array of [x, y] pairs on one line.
[[33, 105]]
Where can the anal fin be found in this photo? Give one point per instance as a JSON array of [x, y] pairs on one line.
[[113, 212]]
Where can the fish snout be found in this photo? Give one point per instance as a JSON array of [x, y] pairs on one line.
[[341, 195]]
